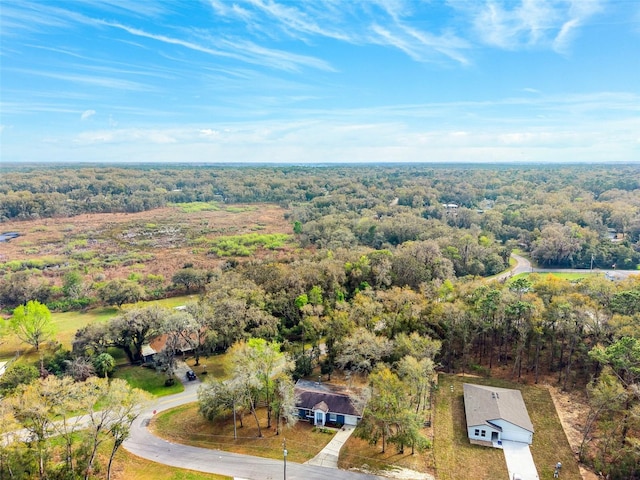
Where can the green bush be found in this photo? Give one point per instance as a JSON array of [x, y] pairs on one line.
[[246, 245], [84, 256], [195, 207], [68, 304]]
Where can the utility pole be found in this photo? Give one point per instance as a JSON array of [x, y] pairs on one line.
[[284, 456], [235, 424]]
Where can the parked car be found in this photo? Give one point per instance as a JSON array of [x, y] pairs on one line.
[[191, 375]]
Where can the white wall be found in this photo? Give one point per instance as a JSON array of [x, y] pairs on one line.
[[350, 420], [514, 433], [487, 432]]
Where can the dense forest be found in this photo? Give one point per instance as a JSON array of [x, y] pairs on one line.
[[564, 215], [378, 263]]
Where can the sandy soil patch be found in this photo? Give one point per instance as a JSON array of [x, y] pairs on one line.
[[572, 411]]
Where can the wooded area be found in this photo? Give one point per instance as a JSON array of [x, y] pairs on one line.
[[387, 266]]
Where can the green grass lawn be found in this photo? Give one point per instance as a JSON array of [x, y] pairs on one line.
[[565, 276], [67, 323], [218, 366], [457, 459], [148, 380], [185, 425]]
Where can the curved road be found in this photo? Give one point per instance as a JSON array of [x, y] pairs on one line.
[[524, 266], [143, 444]]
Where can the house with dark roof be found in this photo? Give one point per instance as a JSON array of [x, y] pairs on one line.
[[322, 403], [496, 414]]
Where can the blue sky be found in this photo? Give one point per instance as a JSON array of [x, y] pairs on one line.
[[320, 81]]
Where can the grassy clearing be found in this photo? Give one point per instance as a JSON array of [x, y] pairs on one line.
[[234, 209], [572, 277], [195, 207], [457, 459], [218, 366], [67, 323], [245, 245], [185, 425], [148, 380]]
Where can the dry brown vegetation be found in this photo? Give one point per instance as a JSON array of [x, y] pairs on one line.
[[165, 237]]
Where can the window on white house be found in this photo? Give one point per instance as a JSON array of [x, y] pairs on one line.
[[483, 433], [477, 432]]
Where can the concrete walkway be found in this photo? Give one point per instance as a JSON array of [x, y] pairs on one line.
[[519, 460], [328, 456]]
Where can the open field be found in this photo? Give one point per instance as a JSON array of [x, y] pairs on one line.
[[457, 459], [106, 246]]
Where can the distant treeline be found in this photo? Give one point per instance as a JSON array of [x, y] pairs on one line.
[[566, 215]]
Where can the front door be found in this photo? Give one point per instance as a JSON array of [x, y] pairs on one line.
[[494, 436]]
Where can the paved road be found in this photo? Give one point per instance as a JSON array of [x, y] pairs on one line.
[[143, 444], [524, 266]]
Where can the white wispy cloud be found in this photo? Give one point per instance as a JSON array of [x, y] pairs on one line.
[[579, 12], [242, 50], [87, 80], [22, 108], [528, 23], [381, 22], [577, 128], [26, 18], [134, 8], [132, 136], [296, 21], [87, 114]]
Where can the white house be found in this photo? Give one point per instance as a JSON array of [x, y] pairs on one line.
[[495, 414], [323, 403]]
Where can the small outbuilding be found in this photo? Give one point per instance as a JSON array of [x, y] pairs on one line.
[[148, 354], [496, 414], [322, 403]]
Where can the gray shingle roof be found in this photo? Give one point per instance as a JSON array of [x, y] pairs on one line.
[[483, 405], [335, 398]]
